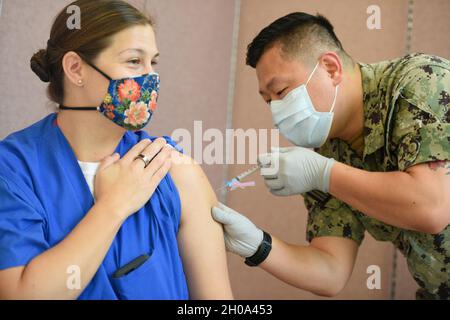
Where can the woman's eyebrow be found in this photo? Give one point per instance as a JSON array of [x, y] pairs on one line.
[[141, 51]]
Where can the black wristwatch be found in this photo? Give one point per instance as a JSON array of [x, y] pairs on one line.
[[262, 252]]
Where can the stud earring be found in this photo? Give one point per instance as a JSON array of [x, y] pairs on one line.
[[80, 82]]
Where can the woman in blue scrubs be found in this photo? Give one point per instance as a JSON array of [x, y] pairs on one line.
[[91, 206]]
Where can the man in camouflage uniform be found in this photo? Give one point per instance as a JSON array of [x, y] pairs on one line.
[[390, 178], [406, 123]]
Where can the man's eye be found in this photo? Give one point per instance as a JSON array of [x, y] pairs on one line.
[[279, 93], [154, 63]]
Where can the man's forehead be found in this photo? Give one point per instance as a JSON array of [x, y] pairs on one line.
[[272, 82], [271, 73], [275, 57], [271, 57]]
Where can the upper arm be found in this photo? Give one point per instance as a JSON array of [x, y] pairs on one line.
[[434, 177], [334, 229], [10, 279], [342, 253], [200, 238], [22, 235], [421, 136]]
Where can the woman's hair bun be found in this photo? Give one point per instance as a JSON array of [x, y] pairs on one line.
[[39, 64]]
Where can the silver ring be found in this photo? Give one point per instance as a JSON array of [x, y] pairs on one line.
[[144, 158]]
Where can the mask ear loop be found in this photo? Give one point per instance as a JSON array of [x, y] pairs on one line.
[[335, 89], [312, 73], [94, 67], [335, 97]]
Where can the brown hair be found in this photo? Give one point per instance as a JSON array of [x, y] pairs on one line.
[[100, 20]]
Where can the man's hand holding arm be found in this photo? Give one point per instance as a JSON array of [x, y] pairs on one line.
[[323, 267]]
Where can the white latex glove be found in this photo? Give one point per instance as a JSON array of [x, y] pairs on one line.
[[300, 170], [242, 237]]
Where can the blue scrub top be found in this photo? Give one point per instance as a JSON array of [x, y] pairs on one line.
[[44, 195]]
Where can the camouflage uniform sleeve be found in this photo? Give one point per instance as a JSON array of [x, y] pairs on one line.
[[423, 119], [328, 216]]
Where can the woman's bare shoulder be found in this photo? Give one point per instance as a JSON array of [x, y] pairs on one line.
[[192, 183]]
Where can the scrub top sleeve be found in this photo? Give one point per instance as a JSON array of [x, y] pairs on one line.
[[22, 235]]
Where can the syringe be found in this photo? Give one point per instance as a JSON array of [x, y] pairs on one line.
[[246, 173], [240, 177]]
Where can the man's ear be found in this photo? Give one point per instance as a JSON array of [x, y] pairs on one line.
[[73, 68], [331, 63]]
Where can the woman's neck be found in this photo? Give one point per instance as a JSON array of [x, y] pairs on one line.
[[91, 136]]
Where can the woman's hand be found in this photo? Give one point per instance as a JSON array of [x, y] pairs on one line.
[[124, 184]]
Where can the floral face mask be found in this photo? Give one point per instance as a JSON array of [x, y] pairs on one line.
[[130, 102]]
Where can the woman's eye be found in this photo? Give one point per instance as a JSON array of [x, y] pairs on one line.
[[154, 63], [134, 61]]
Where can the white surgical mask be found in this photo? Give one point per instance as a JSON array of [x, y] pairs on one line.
[[298, 120]]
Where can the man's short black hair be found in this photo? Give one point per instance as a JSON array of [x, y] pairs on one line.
[[300, 34]]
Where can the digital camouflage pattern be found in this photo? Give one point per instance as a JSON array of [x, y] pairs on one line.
[[407, 122]]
